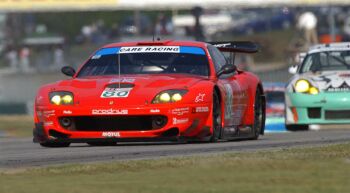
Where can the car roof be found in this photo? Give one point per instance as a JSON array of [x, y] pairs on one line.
[[157, 43], [339, 46]]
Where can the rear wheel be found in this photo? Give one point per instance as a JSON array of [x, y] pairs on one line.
[[297, 127], [259, 115], [54, 144], [216, 118]]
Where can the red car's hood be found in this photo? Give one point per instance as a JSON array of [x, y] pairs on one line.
[[87, 91]]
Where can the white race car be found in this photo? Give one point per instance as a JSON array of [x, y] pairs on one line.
[[319, 92]]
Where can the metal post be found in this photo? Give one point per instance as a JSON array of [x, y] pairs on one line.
[[332, 27], [137, 21]]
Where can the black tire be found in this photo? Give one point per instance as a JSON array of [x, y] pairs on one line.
[[259, 115], [297, 127], [109, 143], [216, 118], [55, 144]]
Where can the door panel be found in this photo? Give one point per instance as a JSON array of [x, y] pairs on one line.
[[235, 102]]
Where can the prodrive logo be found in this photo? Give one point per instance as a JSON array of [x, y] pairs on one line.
[[109, 111]]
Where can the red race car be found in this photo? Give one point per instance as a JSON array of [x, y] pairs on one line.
[[162, 90]]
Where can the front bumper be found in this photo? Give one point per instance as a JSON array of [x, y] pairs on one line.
[[323, 108], [190, 120]]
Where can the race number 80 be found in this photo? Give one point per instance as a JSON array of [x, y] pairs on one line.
[[115, 93]]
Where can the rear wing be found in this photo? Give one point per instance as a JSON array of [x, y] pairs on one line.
[[236, 46]]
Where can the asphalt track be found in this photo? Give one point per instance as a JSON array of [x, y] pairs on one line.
[[21, 152]]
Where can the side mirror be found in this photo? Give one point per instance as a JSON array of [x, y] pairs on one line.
[[301, 57], [226, 69], [293, 69], [67, 70]]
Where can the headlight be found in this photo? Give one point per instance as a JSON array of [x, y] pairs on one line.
[[304, 86], [313, 90], [169, 96], [61, 98]]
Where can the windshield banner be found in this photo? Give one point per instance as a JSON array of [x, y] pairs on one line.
[[150, 49], [147, 49]]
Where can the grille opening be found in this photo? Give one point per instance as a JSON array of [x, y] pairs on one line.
[[337, 114], [116, 123], [314, 113]]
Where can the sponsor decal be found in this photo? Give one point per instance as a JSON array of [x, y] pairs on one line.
[[116, 92], [222, 45], [154, 111], [122, 80], [180, 111], [68, 112], [341, 89], [48, 123], [110, 134], [109, 111], [148, 49], [229, 100], [49, 113], [202, 109], [199, 98], [179, 121], [333, 82]]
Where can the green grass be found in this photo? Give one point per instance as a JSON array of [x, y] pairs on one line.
[[17, 126], [318, 169]]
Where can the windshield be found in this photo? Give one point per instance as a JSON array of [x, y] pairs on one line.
[[147, 60], [326, 61]]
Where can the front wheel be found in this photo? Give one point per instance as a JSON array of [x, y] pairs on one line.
[[259, 114], [216, 118]]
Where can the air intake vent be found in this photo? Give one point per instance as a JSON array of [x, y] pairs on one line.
[[122, 85], [314, 113], [116, 123], [334, 115]]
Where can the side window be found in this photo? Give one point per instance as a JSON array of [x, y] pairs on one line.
[[217, 57]]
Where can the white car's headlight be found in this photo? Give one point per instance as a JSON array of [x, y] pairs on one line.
[[304, 86]]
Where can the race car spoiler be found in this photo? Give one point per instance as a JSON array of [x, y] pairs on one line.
[[237, 46]]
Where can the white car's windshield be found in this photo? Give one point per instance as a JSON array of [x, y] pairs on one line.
[[326, 61], [147, 60]]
